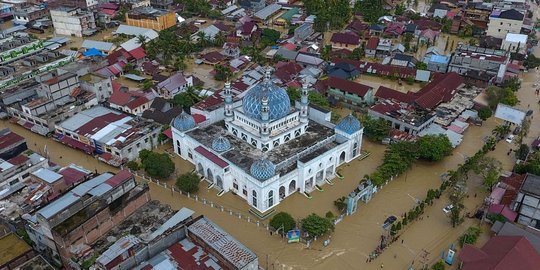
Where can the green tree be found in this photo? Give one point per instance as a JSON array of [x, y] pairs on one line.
[[421, 66], [399, 9], [438, 266], [371, 9], [223, 73], [318, 99], [333, 13], [269, 37], [157, 165], [532, 61], [133, 165], [326, 52], [496, 95], [294, 94], [434, 147], [162, 137], [522, 152], [341, 204], [470, 236], [188, 182], [500, 131], [513, 84], [316, 226], [284, 221], [375, 129], [187, 98], [484, 113]]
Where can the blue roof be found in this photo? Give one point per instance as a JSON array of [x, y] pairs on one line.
[[279, 104], [263, 169], [92, 52], [349, 124], [441, 59], [221, 144], [183, 122]]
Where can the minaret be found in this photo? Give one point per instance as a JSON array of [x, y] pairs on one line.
[[304, 102], [228, 103], [267, 75], [265, 117]]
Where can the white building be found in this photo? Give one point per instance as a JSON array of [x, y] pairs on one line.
[[73, 21], [515, 42], [263, 150], [504, 22]]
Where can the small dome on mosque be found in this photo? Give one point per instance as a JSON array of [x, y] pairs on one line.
[[279, 104], [263, 169], [221, 144], [183, 122], [349, 124]]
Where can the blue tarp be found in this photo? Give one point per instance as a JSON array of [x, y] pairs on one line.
[[92, 52]]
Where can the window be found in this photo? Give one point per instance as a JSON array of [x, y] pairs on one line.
[[235, 185], [244, 190], [287, 137], [146, 141], [138, 145], [270, 198], [190, 156], [265, 147], [254, 198], [129, 150], [276, 142]]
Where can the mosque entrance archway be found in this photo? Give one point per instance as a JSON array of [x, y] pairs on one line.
[[200, 169], [281, 192], [309, 184], [219, 182], [319, 177], [209, 176], [292, 186], [330, 172], [342, 157]]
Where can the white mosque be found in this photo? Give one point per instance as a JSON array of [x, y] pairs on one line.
[[263, 150]]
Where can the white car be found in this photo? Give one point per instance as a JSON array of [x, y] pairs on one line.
[[535, 84], [448, 208], [510, 138]]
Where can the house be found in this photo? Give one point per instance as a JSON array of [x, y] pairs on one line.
[[73, 21], [103, 47], [307, 60], [423, 24], [484, 65], [149, 17], [11, 144], [287, 54], [526, 203], [438, 63], [410, 28], [358, 27], [515, 43], [98, 84], [376, 30], [173, 85], [303, 31], [343, 70], [132, 102], [347, 40], [438, 10], [287, 71], [161, 4], [403, 60], [397, 49], [384, 48], [349, 93], [162, 111], [371, 47], [254, 5], [428, 36], [267, 13], [394, 30], [513, 229], [500, 252], [209, 32], [213, 58], [433, 50], [504, 22], [246, 30], [231, 49]]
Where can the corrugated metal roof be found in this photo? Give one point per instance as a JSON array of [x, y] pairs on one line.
[[100, 45], [58, 205], [47, 175], [118, 248], [264, 13], [509, 114], [176, 219]]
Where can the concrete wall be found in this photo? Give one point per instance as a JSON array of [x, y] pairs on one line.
[[500, 27]]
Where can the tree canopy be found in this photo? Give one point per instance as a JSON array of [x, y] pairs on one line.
[[157, 165], [375, 129], [283, 219], [372, 10], [188, 182], [496, 95], [314, 97], [187, 98], [332, 13], [269, 37], [316, 225], [434, 147]]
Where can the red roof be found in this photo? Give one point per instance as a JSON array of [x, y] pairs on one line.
[[211, 156], [138, 53], [72, 176], [389, 93], [372, 43], [348, 86], [503, 210], [441, 89], [98, 123], [501, 253], [168, 133], [289, 46], [199, 118], [346, 38], [213, 57], [10, 139], [18, 160], [137, 102], [209, 102], [119, 178], [247, 28], [287, 71], [107, 11]]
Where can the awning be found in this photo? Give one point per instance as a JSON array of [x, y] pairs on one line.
[[28, 125], [76, 144], [92, 52]]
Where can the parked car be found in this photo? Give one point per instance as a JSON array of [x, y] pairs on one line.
[[389, 221], [510, 138], [448, 208]]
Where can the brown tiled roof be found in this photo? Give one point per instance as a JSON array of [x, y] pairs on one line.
[[388, 93], [348, 86], [372, 43], [346, 38], [441, 89]]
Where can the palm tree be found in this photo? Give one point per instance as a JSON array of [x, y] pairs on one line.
[[219, 39], [203, 40], [500, 131], [141, 39]]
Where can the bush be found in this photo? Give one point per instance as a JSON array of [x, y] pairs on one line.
[[329, 215], [438, 266], [315, 225], [188, 182], [485, 113], [470, 236], [156, 164], [283, 219], [133, 165]]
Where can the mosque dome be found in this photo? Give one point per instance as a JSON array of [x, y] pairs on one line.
[[263, 169], [279, 104], [183, 122], [349, 124], [221, 144]]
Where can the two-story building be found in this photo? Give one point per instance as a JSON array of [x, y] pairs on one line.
[[73, 21], [347, 40], [349, 93], [504, 22], [148, 17], [527, 203]]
